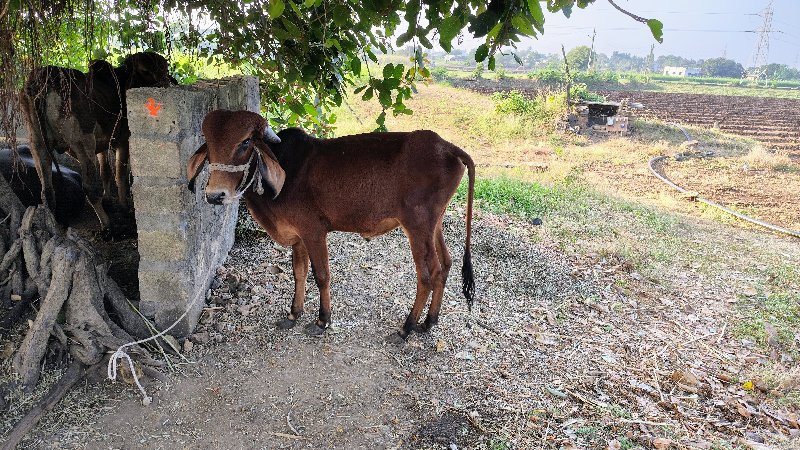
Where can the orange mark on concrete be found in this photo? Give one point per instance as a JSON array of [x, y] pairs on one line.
[[153, 107]]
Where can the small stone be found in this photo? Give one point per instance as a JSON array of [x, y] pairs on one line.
[[201, 338], [187, 346], [8, 350]]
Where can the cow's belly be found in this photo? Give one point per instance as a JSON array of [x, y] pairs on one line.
[[379, 228]]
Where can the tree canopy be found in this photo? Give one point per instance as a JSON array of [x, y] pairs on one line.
[[308, 54], [722, 67]]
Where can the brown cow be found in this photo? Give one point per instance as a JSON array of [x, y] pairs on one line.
[[368, 184], [85, 114]]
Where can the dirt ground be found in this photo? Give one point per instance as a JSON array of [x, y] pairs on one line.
[[563, 350]]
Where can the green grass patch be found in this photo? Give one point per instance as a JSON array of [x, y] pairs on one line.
[[574, 214], [781, 310]]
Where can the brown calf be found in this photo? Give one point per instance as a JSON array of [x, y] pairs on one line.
[[368, 184], [85, 114]]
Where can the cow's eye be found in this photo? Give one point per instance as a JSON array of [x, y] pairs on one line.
[[244, 145]]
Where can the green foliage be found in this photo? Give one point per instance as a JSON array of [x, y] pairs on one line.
[[541, 111], [580, 91], [578, 58], [308, 54], [547, 75], [501, 74], [440, 73], [478, 72], [722, 67]]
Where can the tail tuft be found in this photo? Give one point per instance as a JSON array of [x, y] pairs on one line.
[[468, 280]]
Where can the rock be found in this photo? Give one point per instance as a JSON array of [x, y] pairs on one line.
[[8, 350], [187, 346], [201, 338]]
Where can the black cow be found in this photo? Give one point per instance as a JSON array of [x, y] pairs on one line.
[[20, 172]]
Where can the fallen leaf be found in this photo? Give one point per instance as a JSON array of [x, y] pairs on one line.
[[274, 270], [684, 377], [742, 410], [661, 443], [614, 445], [556, 392], [750, 291], [748, 385], [440, 345]]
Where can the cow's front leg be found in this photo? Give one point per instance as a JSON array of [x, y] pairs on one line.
[[300, 269], [318, 253]]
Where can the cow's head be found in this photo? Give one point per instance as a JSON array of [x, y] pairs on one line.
[[237, 140], [147, 69]]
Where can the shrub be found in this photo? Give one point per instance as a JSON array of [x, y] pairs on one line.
[[440, 74]]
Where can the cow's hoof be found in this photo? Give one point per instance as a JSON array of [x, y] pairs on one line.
[[421, 328], [286, 323], [313, 329], [396, 338]]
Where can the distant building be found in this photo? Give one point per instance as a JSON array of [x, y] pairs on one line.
[[682, 71]]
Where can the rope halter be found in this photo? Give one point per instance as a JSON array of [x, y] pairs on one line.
[[244, 184]]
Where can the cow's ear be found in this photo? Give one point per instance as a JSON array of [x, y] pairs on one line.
[[196, 163], [271, 171]]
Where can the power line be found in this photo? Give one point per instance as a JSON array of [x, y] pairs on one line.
[[762, 47]]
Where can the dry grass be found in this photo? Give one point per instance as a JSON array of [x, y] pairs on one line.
[[761, 158]]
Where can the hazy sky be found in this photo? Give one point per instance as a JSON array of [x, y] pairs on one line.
[[692, 28]]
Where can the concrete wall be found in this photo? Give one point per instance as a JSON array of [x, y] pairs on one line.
[[182, 239]]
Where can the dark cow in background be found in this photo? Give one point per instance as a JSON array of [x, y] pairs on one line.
[[85, 114], [20, 172]]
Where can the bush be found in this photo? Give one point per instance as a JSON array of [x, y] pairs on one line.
[[440, 74], [580, 91], [548, 76], [501, 74], [478, 72], [545, 109]]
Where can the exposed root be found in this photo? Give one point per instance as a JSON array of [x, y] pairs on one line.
[[71, 377]]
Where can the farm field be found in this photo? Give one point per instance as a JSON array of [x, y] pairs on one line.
[[772, 121], [628, 318]]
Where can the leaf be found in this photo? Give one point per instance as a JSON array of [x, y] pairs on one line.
[[657, 28], [748, 385], [661, 443], [555, 392], [275, 8], [538, 16], [310, 110], [388, 70], [481, 52], [367, 95], [448, 30], [522, 24], [355, 66], [341, 15], [492, 63]]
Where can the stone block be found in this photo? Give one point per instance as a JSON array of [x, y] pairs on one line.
[[182, 239]]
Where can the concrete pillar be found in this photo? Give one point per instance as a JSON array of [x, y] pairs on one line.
[[182, 239]]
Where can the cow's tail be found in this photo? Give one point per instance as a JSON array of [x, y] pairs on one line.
[[467, 276]]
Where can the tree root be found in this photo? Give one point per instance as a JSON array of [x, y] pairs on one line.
[[71, 377], [81, 306]]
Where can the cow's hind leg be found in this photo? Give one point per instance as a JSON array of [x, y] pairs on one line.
[[300, 269], [122, 173], [84, 151], [423, 249], [438, 284], [318, 253]]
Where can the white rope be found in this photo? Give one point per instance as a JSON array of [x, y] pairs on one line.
[[113, 362], [122, 354]]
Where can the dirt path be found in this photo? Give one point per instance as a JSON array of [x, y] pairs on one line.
[[569, 351]]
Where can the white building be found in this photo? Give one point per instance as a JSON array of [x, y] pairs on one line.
[[681, 71]]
